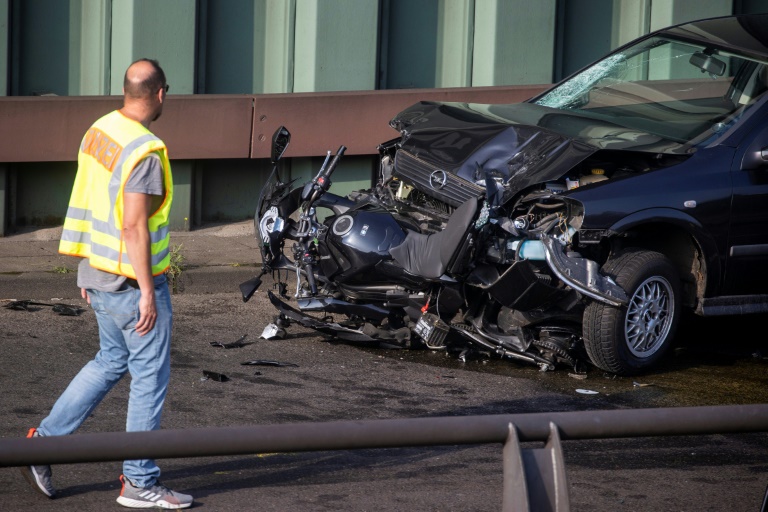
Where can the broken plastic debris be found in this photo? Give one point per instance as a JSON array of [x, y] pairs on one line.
[[61, 309], [67, 310], [273, 331], [235, 344], [641, 385], [580, 376], [587, 391], [219, 377], [267, 362]]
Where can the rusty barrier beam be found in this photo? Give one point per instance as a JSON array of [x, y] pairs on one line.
[[222, 126], [320, 121]]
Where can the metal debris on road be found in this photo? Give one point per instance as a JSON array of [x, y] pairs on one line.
[[219, 377], [267, 362], [235, 344], [273, 331], [61, 309]]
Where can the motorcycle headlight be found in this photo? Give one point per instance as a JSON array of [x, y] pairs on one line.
[[270, 222]]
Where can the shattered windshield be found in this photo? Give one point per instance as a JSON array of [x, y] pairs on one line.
[[680, 91]]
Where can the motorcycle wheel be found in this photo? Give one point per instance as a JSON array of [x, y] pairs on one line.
[[630, 339]]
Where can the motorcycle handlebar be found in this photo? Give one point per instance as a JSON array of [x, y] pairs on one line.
[[311, 279], [321, 184], [332, 166], [322, 181]]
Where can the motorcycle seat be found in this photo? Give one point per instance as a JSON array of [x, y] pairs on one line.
[[430, 255]]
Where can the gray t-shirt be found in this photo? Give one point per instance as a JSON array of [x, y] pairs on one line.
[[146, 178]]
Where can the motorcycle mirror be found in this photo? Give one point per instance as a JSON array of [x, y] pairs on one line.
[[280, 141]]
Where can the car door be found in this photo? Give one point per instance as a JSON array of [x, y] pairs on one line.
[[747, 257]]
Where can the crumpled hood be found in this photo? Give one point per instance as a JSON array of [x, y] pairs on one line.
[[523, 144]]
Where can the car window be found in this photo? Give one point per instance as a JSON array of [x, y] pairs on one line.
[[673, 89]]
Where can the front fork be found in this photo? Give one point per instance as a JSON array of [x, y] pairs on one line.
[[305, 251], [305, 257]]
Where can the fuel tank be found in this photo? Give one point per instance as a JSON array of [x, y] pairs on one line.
[[356, 242]]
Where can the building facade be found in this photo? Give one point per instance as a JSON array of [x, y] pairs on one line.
[[253, 47]]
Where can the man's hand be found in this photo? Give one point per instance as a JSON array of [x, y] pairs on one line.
[[147, 313]]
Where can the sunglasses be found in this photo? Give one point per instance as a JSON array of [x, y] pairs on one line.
[[166, 87]]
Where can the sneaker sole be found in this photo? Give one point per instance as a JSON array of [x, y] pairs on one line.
[[131, 503], [31, 477]]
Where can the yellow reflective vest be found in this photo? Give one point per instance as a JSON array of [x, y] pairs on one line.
[[93, 227]]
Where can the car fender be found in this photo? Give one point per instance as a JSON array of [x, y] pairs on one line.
[[689, 224]]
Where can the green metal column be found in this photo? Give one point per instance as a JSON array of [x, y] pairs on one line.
[[4, 39], [336, 45], [631, 19], [670, 12], [336, 49], [279, 34], [4, 45], [182, 214], [455, 29], [750, 6], [89, 47], [230, 46], [45, 205], [158, 30], [246, 46], [505, 41], [164, 31]]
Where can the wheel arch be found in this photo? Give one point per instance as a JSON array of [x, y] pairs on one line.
[[682, 239]]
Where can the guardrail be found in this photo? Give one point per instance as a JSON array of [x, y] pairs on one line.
[[221, 126], [212, 127], [534, 478]]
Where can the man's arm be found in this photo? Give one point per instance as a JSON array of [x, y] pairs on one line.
[[136, 234]]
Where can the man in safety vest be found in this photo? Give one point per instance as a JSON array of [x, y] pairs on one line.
[[117, 222]]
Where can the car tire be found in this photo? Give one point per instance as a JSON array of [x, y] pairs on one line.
[[629, 339]]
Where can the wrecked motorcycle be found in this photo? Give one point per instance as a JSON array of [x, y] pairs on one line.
[[382, 269]]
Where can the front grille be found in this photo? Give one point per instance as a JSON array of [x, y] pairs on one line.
[[417, 172]]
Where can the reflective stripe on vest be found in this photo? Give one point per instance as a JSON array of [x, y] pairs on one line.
[[93, 226]]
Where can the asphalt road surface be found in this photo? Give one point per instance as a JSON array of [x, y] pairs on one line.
[[716, 363]]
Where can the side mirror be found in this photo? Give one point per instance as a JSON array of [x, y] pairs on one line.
[[280, 141], [708, 63]]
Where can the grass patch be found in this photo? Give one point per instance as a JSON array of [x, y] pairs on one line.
[[176, 268]]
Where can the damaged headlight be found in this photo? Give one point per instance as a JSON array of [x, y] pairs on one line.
[[270, 222]]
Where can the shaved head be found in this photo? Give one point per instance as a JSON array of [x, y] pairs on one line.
[[144, 90], [143, 79]]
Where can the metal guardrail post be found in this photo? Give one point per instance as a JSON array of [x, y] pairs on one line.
[[535, 479]]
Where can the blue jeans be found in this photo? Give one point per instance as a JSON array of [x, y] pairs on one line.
[[147, 358]]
